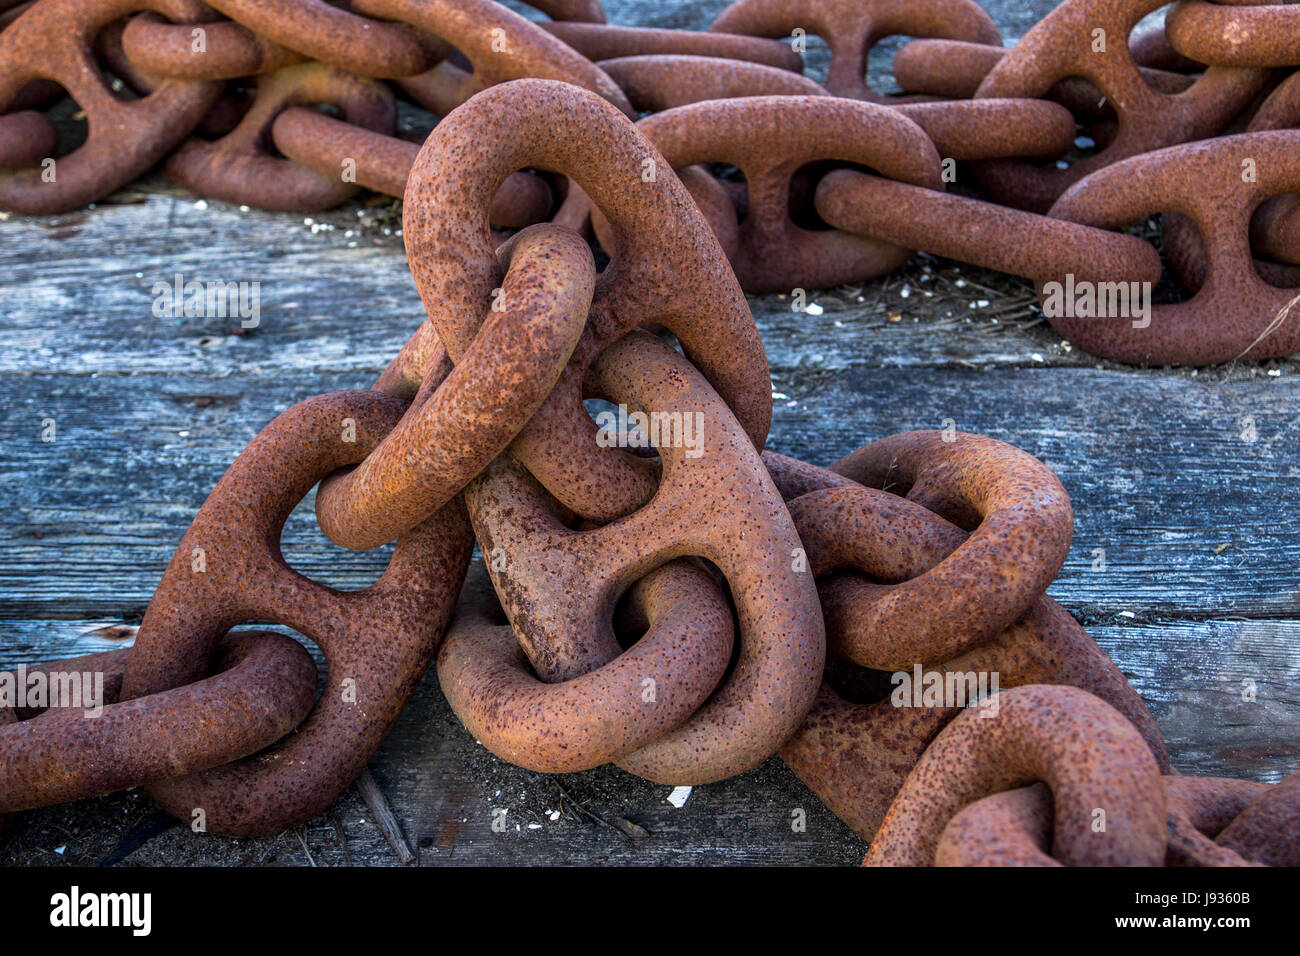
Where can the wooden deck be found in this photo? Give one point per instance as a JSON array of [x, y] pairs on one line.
[[1183, 479]]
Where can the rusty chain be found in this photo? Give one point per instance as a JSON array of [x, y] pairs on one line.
[[660, 593]]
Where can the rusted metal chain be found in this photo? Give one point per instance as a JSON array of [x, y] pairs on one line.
[[1147, 120], [377, 642], [1235, 314], [668, 269], [264, 685], [51, 41], [383, 163], [852, 27], [1091, 757], [499, 44], [714, 500], [455, 429], [241, 168], [601, 42]]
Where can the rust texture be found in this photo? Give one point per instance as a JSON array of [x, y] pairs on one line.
[[377, 642], [453, 432], [1147, 120], [383, 163], [1086, 752], [559, 586], [125, 138], [1263, 34], [1235, 314], [264, 685], [668, 269], [499, 45], [852, 27], [985, 234], [770, 138], [600, 42], [241, 168], [858, 540]]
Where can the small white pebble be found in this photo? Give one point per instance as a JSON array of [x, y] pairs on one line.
[[814, 309], [244, 209], [960, 283], [534, 826], [678, 797], [1127, 614], [1085, 142], [777, 395], [906, 293], [553, 815], [201, 204], [60, 850], [1037, 357]]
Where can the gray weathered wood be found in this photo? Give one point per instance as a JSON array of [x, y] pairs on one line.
[[1200, 591]]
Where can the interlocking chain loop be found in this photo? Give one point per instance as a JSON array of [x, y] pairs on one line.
[[607, 713], [559, 586], [955, 69], [668, 270], [664, 81], [241, 168], [454, 430], [1259, 34], [125, 138], [378, 642], [771, 138], [383, 163], [1147, 120], [500, 46], [984, 234], [1090, 756], [852, 27], [1014, 827], [228, 51], [340, 37], [1020, 521], [1268, 831], [1236, 314], [1275, 225], [855, 756], [600, 42], [264, 685]]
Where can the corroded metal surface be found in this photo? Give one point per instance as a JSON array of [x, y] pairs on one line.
[[852, 27], [668, 269], [985, 234], [1148, 120], [264, 684], [1087, 753], [771, 138], [1235, 314], [241, 168], [452, 433], [559, 586], [52, 41], [377, 643], [383, 163], [500, 46]]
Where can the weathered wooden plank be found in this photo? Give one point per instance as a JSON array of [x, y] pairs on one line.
[[445, 787], [1157, 467], [78, 296]]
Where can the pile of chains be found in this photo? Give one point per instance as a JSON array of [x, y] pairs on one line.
[[659, 593]]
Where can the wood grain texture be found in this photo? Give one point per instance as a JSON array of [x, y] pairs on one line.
[[1184, 479]]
